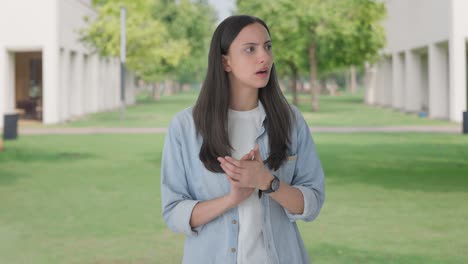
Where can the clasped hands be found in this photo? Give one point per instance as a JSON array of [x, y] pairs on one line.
[[248, 172]]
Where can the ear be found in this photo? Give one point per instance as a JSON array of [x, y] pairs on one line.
[[227, 67]]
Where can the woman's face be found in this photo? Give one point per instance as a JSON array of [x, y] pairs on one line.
[[250, 58]]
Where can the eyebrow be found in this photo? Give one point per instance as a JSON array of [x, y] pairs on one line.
[[256, 44]]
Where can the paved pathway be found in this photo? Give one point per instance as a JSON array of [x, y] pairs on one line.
[[156, 130]]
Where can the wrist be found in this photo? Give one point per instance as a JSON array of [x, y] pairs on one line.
[[229, 202], [266, 182]]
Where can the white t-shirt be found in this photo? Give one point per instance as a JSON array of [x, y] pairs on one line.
[[243, 127]]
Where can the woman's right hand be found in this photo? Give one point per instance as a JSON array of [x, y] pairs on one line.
[[239, 194]]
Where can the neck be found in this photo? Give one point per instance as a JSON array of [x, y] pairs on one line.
[[243, 99]]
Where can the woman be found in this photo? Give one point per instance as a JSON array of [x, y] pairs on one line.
[[240, 167]]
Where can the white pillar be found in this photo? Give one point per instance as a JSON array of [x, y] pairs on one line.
[[85, 85], [380, 83], [438, 81], [51, 84], [424, 81], [102, 84], [72, 85], [370, 83], [3, 82], [105, 76], [99, 83], [412, 86], [398, 81], [64, 106], [388, 82], [115, 73], [457, 60], [79, 83], [7, 83], [50, 65], [94, 82]]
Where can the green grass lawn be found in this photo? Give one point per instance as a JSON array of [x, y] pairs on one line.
[[391, 198], [344, 110]]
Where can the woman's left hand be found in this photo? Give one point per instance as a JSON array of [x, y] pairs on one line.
[[247, 173]]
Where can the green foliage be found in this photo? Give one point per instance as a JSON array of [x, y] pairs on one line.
[[164, 38], [194, 23], [344, 32], [288, 44]]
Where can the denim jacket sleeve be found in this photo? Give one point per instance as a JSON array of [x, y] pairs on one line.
[[177, 203], [308, 173]]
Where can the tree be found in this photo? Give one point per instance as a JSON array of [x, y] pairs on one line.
[[285, 37], [194, 23], [150, 48], [331, 34]]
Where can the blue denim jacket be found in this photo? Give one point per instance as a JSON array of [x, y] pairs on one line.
[[185, 182]]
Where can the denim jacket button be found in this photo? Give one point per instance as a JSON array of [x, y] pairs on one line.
[[233, 250]]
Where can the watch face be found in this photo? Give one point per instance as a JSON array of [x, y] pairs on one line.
[[275, 184]]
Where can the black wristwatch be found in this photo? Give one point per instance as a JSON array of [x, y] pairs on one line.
[[274, 186]]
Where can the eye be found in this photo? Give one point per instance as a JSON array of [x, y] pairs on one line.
[[250, 49], [268, 46]]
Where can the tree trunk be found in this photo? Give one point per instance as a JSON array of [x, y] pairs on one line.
[[353, 79], [313, 78], [178, 87], [294, 83], [168, 87], [348, 81], [156, 92]]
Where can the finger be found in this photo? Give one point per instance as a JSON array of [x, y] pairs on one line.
[[233, 161], [230, 173], [257, 155], [246, 156], [233, 182], [251, 155], [232, 168], [221, 160], [228, 160]]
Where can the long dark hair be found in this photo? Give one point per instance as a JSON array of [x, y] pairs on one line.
[[210, 112]]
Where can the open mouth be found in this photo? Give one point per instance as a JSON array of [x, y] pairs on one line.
[[263, 72]]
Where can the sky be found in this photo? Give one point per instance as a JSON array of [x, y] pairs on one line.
[[224, 7]]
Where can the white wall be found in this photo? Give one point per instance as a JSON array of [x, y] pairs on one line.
[[432, 73], [75, 82], [71, 16], [438, 81], [457, 59], [27, 25], [415, 23]]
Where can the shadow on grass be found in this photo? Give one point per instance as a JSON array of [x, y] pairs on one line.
[[8, 176], [327, 253], [421, 167], [15, 157], [14, 154]]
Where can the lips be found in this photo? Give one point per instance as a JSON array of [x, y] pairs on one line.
[[263, 70]]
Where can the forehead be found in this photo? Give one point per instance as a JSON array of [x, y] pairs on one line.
[[253, 33]]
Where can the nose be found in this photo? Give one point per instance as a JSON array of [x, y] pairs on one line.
[[264, 56]]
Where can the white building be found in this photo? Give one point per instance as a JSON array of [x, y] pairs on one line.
[[45, 72], [424, 65]]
